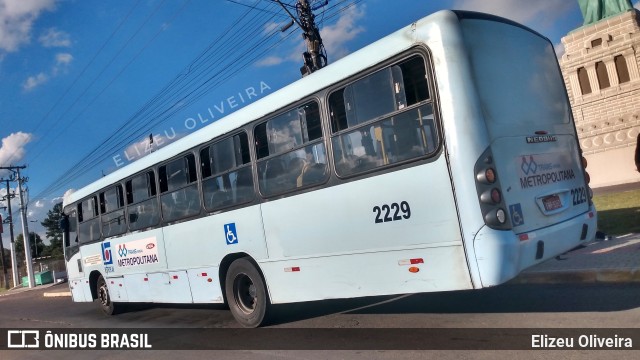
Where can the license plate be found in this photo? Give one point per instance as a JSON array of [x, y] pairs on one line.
[[552, 203]]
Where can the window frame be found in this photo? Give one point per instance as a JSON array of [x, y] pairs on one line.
[[318, 98], [129, 205], [120, 197], [197, 182], [71, 212], [432, 100], [96, 218], [251, 165]]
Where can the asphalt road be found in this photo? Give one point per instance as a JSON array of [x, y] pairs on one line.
[[508, 306]]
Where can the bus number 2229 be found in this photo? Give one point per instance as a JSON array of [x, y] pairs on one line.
[[393, 212]]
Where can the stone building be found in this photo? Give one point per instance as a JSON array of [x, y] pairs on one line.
[[601, 71]]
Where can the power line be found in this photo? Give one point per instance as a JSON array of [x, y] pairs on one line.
[[255, 7], [170, 111], [234, 65], [93, 81], [104, 44], [188, 70]]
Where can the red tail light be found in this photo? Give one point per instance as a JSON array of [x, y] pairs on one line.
[[488, 186]]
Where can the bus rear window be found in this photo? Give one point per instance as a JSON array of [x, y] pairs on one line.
[[515, 74]]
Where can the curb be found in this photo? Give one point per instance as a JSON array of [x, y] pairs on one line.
[[57, 294], [578, 276]]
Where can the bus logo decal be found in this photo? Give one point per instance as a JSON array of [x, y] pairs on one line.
[[529, 167], [137, 253], [122, 250], [544, 169], [230, 233], [106, 253], [517, 218]]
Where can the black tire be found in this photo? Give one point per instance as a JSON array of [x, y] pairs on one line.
[[247, 294], [105, 305]]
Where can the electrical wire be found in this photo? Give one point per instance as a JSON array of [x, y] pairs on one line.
[[216, 76], [87, 66]]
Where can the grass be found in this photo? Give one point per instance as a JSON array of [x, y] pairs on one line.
[[618, 213]]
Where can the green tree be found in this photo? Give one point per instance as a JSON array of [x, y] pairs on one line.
[[54, 233], [35, 242]]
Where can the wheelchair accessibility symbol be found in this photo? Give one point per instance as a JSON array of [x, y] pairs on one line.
[[230, 233], [517, 218]]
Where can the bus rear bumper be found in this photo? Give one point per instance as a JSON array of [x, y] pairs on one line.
[[502, 255]]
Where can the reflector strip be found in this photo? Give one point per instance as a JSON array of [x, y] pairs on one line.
[[175, 277], [292, 269], [146, 279], [203, 274], [524, 237], [411, 261]]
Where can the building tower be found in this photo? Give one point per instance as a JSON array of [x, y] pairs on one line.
[[601, 67]]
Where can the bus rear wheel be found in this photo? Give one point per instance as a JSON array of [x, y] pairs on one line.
[[105, 305], [246, 294]]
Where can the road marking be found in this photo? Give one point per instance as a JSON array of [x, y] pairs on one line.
[[57, 294], [606, 250]]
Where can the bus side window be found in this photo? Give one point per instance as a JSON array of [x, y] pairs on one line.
[[88, 216], [71, 235], [142, 205], [291, 152], [382, 119], [112, 210], [226, 172], [179, 195]]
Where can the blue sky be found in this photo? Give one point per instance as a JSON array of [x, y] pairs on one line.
[[73, 73]]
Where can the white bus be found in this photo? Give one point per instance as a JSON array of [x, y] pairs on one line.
[[441, 157]]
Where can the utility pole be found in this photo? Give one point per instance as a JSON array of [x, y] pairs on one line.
[[315, 58], [14, 260], [4, 262], [25, 226]]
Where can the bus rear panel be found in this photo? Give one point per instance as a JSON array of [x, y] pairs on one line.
[[539, 205]]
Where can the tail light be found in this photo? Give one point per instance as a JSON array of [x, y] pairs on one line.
[[490, 194], [587, 178]]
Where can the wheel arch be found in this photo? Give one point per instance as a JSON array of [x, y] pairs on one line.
[[93, 283], [224, 268]]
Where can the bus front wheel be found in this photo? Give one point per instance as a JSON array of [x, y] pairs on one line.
[[105, 304], [246, 293]]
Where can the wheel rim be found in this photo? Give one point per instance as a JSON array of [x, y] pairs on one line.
[[103, 295], [245, 293]]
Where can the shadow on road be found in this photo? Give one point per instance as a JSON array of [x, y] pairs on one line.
[[528, 298], [510, 298]]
